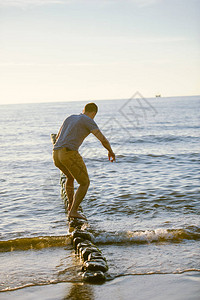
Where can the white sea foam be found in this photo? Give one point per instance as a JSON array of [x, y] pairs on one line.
[[146, 236]]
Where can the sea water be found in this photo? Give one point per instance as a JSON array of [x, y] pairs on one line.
[[143, 209]]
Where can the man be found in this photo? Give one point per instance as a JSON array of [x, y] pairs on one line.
[[67, 158]]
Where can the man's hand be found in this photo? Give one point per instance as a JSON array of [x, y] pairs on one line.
[[111, 156], [105, 143]]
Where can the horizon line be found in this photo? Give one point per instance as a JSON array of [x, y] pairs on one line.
[[91, 100]]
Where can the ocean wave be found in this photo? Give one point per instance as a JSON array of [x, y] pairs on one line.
[[150, 157], [40, 242], [148, 236], [123, 274], [109, 277], [121, 237], [148, 139]]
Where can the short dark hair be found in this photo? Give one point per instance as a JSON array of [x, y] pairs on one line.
[[91, 107]]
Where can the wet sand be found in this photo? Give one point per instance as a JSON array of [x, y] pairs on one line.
[[138, 287]]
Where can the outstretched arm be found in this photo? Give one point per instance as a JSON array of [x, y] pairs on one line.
[[105, 143]]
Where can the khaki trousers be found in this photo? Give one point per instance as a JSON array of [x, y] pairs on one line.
[[71, 164]]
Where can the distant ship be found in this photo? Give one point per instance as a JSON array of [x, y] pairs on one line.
[[157, 96]]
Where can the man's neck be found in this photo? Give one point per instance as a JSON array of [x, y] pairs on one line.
[[90, 114]]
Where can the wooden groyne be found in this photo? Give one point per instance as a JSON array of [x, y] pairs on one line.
[[94, 264]]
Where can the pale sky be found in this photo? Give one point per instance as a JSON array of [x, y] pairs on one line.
[[65, 50]]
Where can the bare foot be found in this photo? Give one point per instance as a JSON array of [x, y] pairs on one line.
[[76, 215]]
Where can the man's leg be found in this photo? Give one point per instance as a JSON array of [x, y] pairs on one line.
[[78, 197], [69, 187], [69, 183], [75, 166], [79, 172]]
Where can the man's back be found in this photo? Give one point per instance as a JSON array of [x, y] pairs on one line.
[[74, 130]]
